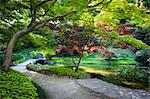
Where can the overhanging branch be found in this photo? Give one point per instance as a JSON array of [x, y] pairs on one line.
[[34, 10], [45, 12], [46, 21], [57, 17], [54, 2]]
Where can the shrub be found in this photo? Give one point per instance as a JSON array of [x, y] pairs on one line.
[[23, 55], [16, 85], [123, 53], [84, 76], [60, 71], [133, 74], [37, 67], [1, 58], [20, 60], [142, 56], [16, 57]]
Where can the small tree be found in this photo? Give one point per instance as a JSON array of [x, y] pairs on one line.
[[78, 44]]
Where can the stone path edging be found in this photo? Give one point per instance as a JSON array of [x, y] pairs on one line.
[[113, 91]]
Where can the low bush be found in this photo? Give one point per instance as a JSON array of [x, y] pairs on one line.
[[60, 71], [123, 53], [37, 67], [20, 60], [132, 74], [16, 85], [128, 76], [142, 56]]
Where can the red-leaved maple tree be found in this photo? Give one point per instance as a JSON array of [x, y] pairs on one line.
[[74, 44]]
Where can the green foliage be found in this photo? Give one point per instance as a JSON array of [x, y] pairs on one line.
[[134, 42], [132, 74], [117, 10], [16, 85], [44, 41], [95, 54], [86, 19], [20, 60], [142, 56], [60, 71], [137, 77], [145, 3], [143, 34], [15, 15], [123, 53], [16, 57], [122, 10], [41, 92], [116, 39], [11, 21], [23, 55], [1, 58]]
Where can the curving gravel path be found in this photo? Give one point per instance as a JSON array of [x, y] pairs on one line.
[[62, 88]]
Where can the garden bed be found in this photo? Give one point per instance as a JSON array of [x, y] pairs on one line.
[[59, 71]]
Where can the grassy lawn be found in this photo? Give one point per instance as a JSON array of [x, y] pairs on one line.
[[94, 63], [91, 65]]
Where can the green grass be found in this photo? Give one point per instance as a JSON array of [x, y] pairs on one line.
[[94, 63], [84, 60]]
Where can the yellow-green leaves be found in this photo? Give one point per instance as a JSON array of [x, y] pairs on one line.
[[121, 9], [126, 39]]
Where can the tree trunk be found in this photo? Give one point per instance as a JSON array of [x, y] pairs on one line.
[[77, 66], [74, 67], [9, 50]]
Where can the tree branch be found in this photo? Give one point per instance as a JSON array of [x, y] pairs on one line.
[[54, 2], [23, 6], [45, 22], [57, 17], [75, 27], [108, 2], [33, 11], [96, 4], [41, 3], [103, 5], [45, 12]]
